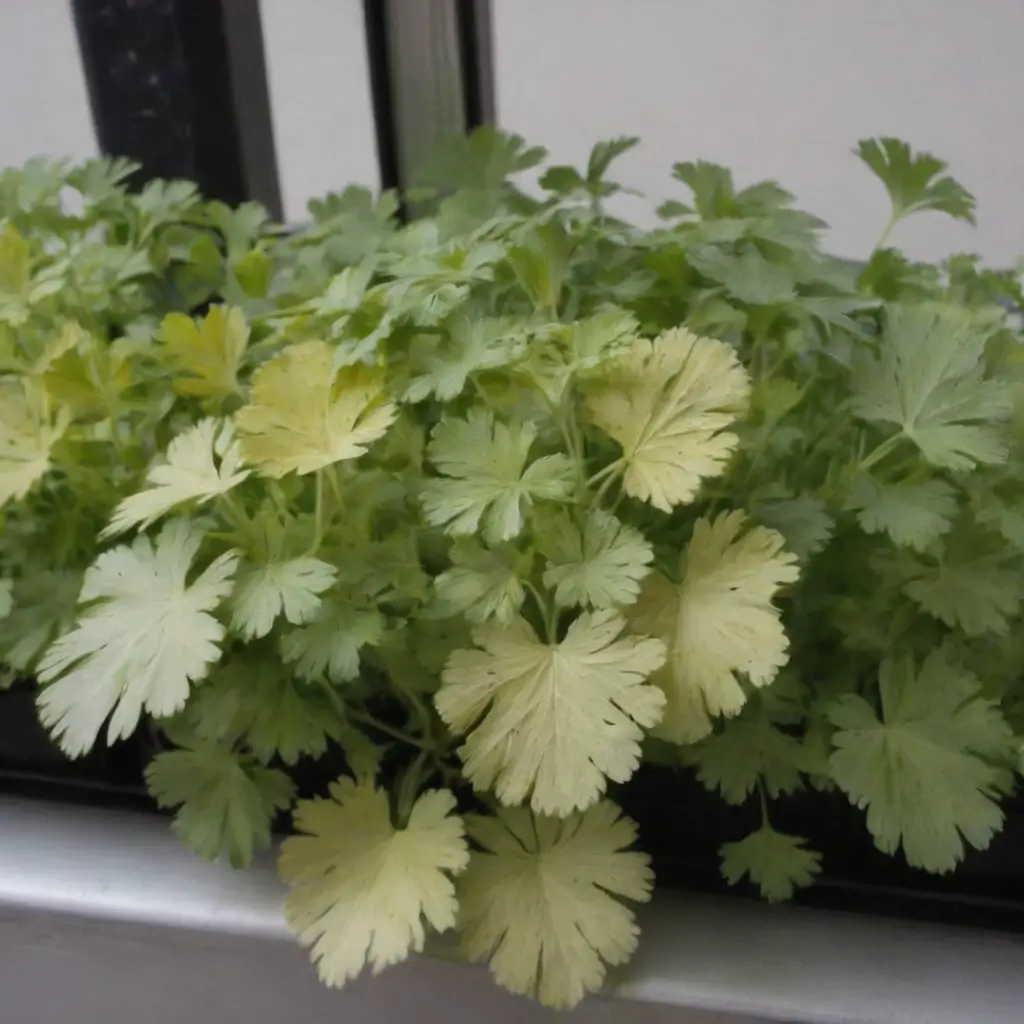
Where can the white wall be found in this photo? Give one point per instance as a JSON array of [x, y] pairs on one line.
[[44, 108], [783, 89], [320, 97], [772, 88]]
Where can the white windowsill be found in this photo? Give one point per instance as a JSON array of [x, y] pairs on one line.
[[104, 915]]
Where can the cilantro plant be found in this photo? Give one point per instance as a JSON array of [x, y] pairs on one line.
[[488, 508]]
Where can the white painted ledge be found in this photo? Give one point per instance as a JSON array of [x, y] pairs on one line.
[[104, 918]]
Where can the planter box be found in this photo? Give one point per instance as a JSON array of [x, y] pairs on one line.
[[681, 826], [105, 918]]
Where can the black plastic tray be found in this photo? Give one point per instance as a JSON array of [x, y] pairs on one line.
[[681, 825]]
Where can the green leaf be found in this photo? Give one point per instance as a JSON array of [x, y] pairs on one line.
[[241, 226], [776, 863], [252, 271], [672, 209], [291, 589], [329, 647], [747, 749], [748, 277], [487, 484], [482, 584], [541, 265], [891, 276], [604, 154], [977, 596], [803, 521], [562, 179], [43, 606], [441, 364], [164, 202], [578, 351], [1006, 517], [255, 699], [912, 514], [929, 381], [915, 181], [594, 561], [482, 160], [225, 802], [711, 184], [567, 180], [925, 765]]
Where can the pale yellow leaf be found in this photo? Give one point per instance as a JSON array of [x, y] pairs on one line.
[[543, 900], [667, 403], [718, 623], [364, 892], [29, 428], [303, 415], [555, 720]]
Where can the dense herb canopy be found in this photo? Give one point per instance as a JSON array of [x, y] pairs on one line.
[[500, 503]]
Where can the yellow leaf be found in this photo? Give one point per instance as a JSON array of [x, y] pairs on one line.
[[542, 901], [555, 719], [207, 353], [68, 337], [364, 889], [666, 403], [84, 374], [28, 431], [304, 416], [15, 266], [718, 623]]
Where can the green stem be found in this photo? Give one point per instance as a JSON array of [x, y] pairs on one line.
[[573, 441], [335, 700], [603, 490], [879, 453], [409, 788], [335, 482], [602, 473], [419, 709], [884, 237], [548, 612], [236, 516], [765, 820], [318, 514], [480, 392], [389, 730]]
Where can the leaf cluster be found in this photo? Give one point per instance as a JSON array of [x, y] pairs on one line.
[[498, 502]]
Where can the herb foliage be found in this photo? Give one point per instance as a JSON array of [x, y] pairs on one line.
[[499, 503]]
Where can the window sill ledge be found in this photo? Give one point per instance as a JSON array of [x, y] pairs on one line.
[[104, 916]]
